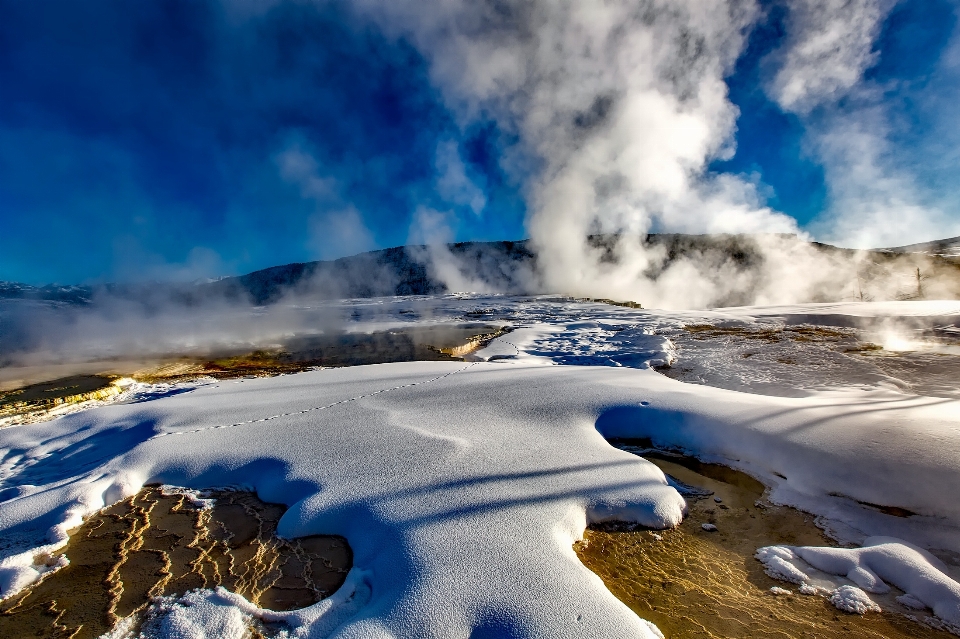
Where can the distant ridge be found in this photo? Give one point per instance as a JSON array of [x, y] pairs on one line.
[[949, 247], [401, 270], [506, 266]]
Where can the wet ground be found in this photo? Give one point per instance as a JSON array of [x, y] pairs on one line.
[[156, 544], [695, 583], [794, 360], [56, 389], [42, 398], [441, 342]]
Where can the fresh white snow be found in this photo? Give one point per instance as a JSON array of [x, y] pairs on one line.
[[853, 600], [881, 560], [462, 486]]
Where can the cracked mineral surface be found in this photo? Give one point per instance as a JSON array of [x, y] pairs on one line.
[[161, 543]]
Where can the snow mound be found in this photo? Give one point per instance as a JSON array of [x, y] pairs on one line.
[[777, 564], [220, 614], [879, 561], [853, 600]]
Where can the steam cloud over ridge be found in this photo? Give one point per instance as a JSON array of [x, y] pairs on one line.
[[612, 120], [624, 105]]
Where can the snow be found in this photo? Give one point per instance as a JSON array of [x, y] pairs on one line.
[[584, 342], [931, 310], [881, 560], [195, 497], [853, 600], [462, 486], [220, 614], [911, 602]]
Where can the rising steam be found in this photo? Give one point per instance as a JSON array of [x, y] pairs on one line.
[[623, 105]]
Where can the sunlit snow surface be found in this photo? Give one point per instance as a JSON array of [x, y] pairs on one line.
[[461, 486]]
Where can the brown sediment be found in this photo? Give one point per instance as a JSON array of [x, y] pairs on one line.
[[695, 583], [864, 348], [604, 300], [154, 544], [798, 333]]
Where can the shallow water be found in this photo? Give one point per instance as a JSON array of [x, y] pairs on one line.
[[441, 342], [694, 583], [795, 360]]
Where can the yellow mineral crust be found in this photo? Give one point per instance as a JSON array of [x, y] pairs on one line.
[[155, 544], [701, 584]]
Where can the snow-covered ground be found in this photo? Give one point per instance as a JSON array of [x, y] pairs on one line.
[[462, 486]]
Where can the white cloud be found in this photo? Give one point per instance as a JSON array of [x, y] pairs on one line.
[[335, 229], [339, 233], [453, 184], [430, 233], [875, 190], [829, 44], [134, 262], [297, 166]]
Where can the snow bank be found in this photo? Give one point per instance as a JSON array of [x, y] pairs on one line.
[[843, 454], [879, 561], [461, 488]]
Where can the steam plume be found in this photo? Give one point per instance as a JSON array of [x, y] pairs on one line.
[[623, 105]]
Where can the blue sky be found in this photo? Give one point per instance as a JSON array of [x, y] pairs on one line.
[[186, 139]]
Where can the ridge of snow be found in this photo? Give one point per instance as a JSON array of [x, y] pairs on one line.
[[879, 561]]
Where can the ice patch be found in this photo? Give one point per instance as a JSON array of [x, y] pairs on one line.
[[911, 602], [584, 343]]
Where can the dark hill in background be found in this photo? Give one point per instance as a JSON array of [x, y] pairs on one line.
[[393, 271], [503, 266]]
